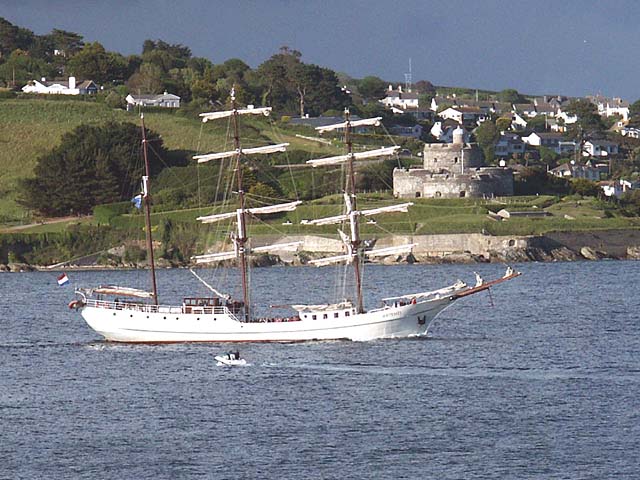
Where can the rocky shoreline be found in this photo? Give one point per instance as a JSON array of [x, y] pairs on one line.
[[428, 249]]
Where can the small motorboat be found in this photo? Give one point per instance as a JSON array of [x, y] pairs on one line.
[[231, 359]]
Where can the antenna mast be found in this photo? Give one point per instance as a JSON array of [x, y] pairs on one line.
[[408, 79]]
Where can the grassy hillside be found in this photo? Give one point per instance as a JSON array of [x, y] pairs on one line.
[[31, 127]]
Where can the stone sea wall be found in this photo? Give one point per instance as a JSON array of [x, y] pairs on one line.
[[450, 248]]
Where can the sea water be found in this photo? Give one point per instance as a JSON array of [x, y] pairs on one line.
[[540, 379]]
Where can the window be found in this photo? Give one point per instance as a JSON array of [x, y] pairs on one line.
[[463, 194], [417, 194], [313, 317], [325, 316], [335, 315], [346, 314]]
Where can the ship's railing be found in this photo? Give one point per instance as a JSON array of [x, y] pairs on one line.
[[149, 308]]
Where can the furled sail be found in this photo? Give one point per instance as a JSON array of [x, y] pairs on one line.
[[366, 122], [123, 291], [228, 113], [322, 262], [382, 252], [402, 207], [221, 256], [282, 207], [280, 147], [380, 152], [278, 247]]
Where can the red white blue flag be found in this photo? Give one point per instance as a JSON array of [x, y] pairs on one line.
[[63, 279]]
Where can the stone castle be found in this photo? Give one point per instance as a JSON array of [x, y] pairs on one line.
[[452, 170]]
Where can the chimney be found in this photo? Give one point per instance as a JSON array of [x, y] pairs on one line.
[[72, 83]]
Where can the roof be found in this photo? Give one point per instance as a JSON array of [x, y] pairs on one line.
[[529, 107], [162, 96], [87, 84], [602, 143], [548, 135]]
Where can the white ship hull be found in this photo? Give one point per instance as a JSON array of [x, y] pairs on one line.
[[119, 323]]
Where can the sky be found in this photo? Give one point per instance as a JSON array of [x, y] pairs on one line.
[[571, 47]]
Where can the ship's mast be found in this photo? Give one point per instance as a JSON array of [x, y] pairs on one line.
[[242, 231], [353, 220], [147, 210]]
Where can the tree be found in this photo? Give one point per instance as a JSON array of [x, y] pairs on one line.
[[584, 187], [634, 113], [503, 124], [13, 37], [425, 87], [533, 181], [93, 62], [275, 74], [147, 80], [372, 88], [487, 135], [92, 165], [21, 68], [589, 121], [68, 43], [510, 95]]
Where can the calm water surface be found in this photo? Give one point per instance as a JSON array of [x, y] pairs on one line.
[[539, 380]]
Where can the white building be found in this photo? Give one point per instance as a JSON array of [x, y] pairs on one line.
[[608, 107], [615, 188], [166, 100], [60, 87], [600, 148], [401, 100]]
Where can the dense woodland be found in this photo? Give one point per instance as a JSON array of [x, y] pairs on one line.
[[283, 81]]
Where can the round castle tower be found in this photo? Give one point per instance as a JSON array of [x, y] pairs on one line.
[[454, 157]]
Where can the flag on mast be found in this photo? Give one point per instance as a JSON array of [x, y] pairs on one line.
[[63, 279]]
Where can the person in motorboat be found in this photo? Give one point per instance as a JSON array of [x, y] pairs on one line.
[[230, 358]]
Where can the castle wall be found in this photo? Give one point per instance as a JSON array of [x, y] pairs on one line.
[[481, 182]]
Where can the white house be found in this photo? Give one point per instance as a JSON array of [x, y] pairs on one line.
[[61, 87], [525, 109], [551, 140], [464, 115], [166, 100], [517, 121], [398, 98], [616, 188], [587, 171], [611, 106], [600, 148], [630, 132]]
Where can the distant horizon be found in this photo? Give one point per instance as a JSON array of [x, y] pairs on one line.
[[573, 49]]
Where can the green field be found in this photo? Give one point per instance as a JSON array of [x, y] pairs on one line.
[[29, 128]]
